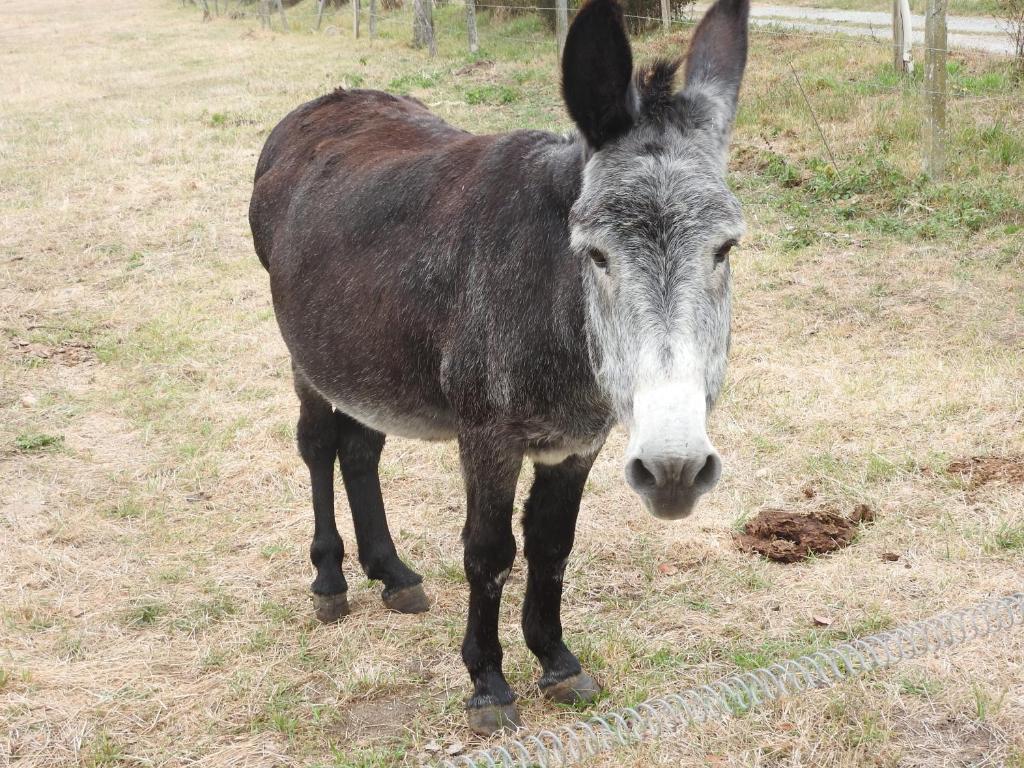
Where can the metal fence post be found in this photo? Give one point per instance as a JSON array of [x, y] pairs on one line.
[[561, 23], [934, 132]]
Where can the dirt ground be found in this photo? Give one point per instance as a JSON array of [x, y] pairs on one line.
[[154, 520]]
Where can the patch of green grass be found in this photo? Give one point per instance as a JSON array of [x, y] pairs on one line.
[[879, 469], [204, 613], [343, 756], [259, 641], [144, 613], [414, 80], [215, 659], [1008, 537], [777, 649], [1004, 146], [271, 551], [750, 577], [981, 84], [986, 703], [5, 678], [70, 648], [284, 614], [492, 94], [452, 571], [874, 620], [282, 710], [920, 686], [824, 465], [38, 442], [102, 751], [127, 509]]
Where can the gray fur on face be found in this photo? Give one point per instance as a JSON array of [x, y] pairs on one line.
[[655, 203]]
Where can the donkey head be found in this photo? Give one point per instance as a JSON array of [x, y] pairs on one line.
[[654, 224]]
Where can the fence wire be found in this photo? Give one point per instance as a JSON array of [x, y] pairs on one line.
[[744, 691]]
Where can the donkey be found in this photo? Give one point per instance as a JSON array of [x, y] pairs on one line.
[[521, 293]]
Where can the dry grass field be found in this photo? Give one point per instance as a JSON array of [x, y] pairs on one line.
[[154, 520]]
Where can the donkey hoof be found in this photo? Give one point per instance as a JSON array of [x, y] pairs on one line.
[[581, 688], [491, 718], [407, 600], [330, 608]]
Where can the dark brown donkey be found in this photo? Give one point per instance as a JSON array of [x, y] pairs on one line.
[[521, 293]]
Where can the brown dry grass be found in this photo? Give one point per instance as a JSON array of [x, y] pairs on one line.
[[154, 516]]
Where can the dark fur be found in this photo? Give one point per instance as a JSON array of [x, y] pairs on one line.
[[424, 284]]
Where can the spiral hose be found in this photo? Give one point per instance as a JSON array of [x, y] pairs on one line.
[[742, 691]]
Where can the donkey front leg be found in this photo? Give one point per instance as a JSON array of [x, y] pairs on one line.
[[549, 525], [490, 470]]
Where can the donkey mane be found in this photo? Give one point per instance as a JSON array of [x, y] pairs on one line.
[[655, 85]]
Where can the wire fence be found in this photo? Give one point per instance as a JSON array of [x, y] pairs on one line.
[[943, 96], [739, 693]]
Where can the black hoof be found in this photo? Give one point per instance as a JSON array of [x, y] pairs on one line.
[[407, 600], [330, 608], [581, 688], [491, 718]]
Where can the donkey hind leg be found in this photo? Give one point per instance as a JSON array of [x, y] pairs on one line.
[[490, 472], [549, 527], [317, 434], [359, 450]]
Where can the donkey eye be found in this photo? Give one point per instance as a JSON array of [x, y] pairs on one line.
[[599, 258], [723, 251]]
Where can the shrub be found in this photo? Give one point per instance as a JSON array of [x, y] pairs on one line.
[[1011, 14]]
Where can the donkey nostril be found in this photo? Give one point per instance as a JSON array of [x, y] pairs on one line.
[[709, 473], [639, 476]]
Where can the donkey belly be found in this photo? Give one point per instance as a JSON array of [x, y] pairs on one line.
[[368, 368], [391, 418]]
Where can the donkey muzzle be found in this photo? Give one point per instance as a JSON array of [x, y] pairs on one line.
[[670, 461]]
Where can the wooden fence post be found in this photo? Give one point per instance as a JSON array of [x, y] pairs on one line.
[[355, 19], [561, 23], [901, 37], [320, 12], [474, 41], [666, 14], [284, 19], [934, 133], [423, 25], [373, 19]]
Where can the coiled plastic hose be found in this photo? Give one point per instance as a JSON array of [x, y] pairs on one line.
[[743, 691]]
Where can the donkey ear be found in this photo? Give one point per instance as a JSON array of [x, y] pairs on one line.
[[597, 73], [718, 55]]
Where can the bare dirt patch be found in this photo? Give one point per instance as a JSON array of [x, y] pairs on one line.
[[67, 353], [788, 537], [380, 719], [977, 471]]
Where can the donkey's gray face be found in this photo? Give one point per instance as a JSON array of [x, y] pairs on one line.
[[654, 224], [655, 230]]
